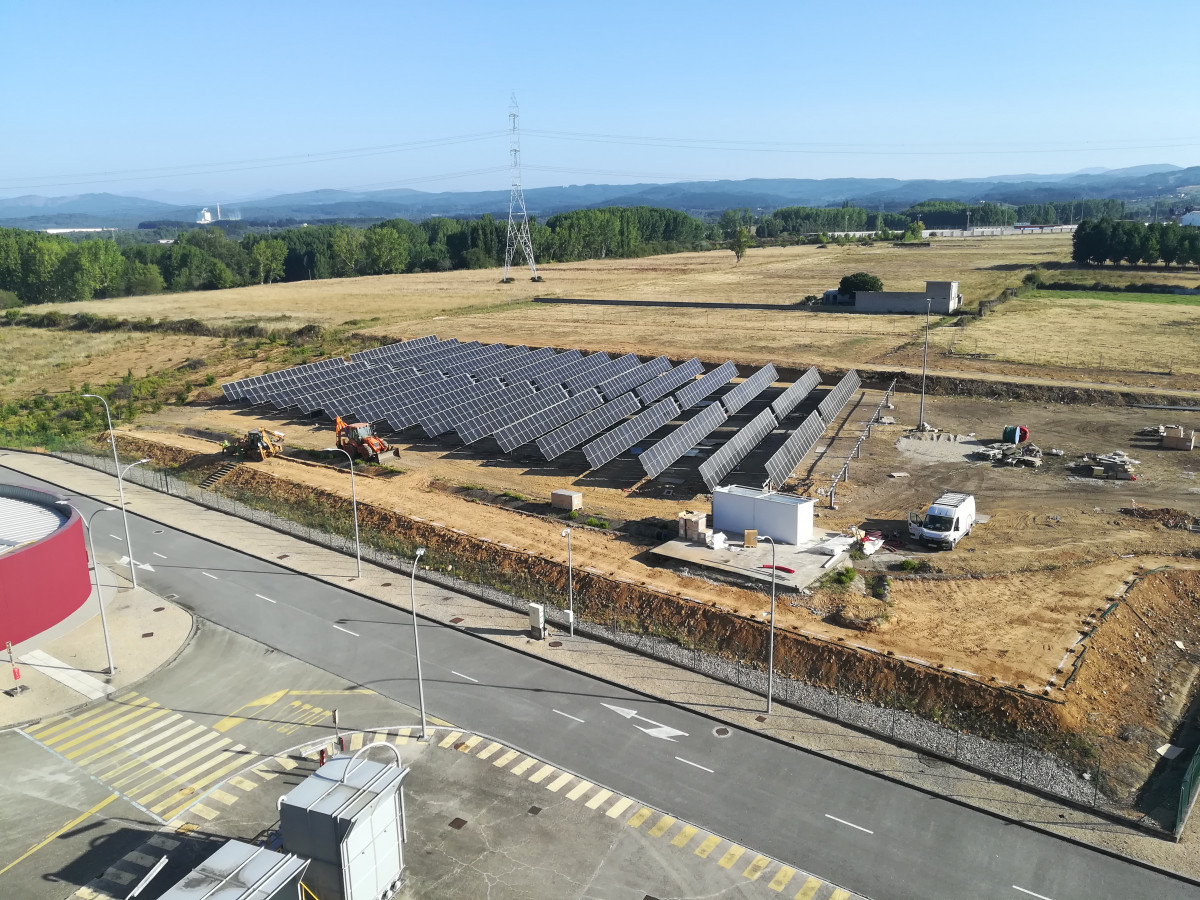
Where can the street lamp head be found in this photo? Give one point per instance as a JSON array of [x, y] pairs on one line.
[[420, 552], [145, 459], [565, 532]]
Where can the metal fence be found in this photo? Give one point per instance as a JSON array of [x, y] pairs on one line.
[[1019, 762], [1187, 793]]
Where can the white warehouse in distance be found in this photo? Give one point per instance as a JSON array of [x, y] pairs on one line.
[[786, 518], [940, 297]]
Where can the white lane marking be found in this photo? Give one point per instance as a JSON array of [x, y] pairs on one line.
[[461, 675], [115, 537], [347, 630], [1030, 893], [213, 577], [569, 716], [697, 765], [261, 597], [159, 555], [851, 824]]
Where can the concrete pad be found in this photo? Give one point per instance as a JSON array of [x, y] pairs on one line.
[[750, 562]]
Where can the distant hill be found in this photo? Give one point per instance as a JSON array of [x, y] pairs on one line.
[[696, 197]]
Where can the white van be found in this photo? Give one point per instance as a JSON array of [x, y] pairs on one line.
[[948, 520]]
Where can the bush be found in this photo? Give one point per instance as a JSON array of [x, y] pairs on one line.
[[859, 281], [9, 300], [593, 522], [573, 515], [908, 565]]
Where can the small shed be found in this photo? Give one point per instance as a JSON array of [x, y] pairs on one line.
[[786, 518], [241, 871]]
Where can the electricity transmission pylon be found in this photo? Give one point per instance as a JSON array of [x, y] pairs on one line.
[[518, 218]]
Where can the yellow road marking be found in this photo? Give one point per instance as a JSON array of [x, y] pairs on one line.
[[636, 820], [244, 783], [450, 739], [523, 765], [86, 893], [225, 798], [91, 732], [469, 743], [162, 842], [83, 720], [661, 826], [619, 807], [506, 758], [579, 790], [756, 868], [599, 797], [170, 774], [140, 859], [109, 743], [685, 834], [135, 750], [192, 789], [356, 740], [42, 843], [380, 737], [707, 846], [128, 744], [540, 775], [203, 811], [233, 720], [116, 876], [781, 879], [810, 887], [732, 855], [186, 828], [286, 762], [264, 774], [488, 750], [556, 785], [400, 739], [154, 762], [839, 894]]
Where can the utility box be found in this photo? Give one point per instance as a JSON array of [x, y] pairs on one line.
[[566, 500], [241, 871], [347, 818], [785, 517], [537, 621]]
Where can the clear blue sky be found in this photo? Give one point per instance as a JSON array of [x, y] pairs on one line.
[[224, 100]]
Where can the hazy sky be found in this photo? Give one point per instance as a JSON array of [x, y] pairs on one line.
[[228, 100]]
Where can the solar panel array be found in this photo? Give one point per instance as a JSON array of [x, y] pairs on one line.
[[733, 451], [514, 435], [611, 445], [784, 461], [691, 394], [794, 395], [836, 399], [657, 458], [562, 439], [634, 378], [493, 419], [749, 389], [668, 381]]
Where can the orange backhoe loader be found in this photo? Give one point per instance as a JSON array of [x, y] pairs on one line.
[[359, 441]]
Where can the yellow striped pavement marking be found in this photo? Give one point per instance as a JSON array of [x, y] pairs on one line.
[[599, 797], [171, 773], [732, 855], [356, 741], [146, 736], [488, 750], [84, 720], [540, 775], [158, 757], [521, 767], [286, 762], [756, 868], [108, 743], [686, 833], [506, 758], [89, 733], [87, 893], [839, 894], [117, 876], [469, 743], [161, 745], [203, 811], [380, 737], [225, 798], [233, 720], [808, 890], [707, 846], [579, 790], [185, 794], [162, 842], [400, 739], [186, 828], [50, 837], [781, 879], [619, 807], [264, 773], [188, 782], [661, 826], [557, 784], [140, 859], [636, 820], [244, 783], [450, 739]]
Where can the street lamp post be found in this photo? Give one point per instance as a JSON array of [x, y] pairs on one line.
[[924, 367], [771, 639], [566, 532], [353, 505], [112, 437], [87, 525], [412, 592], [125, 519]]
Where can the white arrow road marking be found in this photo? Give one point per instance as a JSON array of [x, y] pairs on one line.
[[568, 716], [1030, 893], [852, 825], [467, 677], [261, 597], [666, 732], [347, 630], [124, 561], [697, 765]]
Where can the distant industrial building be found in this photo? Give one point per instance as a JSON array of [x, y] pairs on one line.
[[940, 297], [1192, 218]]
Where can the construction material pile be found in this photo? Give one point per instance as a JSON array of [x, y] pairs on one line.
[[1168, 518], [1116, 465]]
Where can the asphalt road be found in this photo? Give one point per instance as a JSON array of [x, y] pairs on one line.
[[877, 838]]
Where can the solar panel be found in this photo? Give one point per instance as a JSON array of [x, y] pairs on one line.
[[513, 358], [491, 420], [609, 446], [589, 363], [424, 399], [627, 381], [795, 394], [533, 370], [784, 461], [572, 434], [475, 361], [610, 369], [477, 395], [451, 418], [733, 451], [513, 436], [836, 399], [749, 389], [660, 456], [691, 394], [668, 381]]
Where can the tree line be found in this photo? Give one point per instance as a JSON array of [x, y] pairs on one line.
[[42, 268], [1100, 241]]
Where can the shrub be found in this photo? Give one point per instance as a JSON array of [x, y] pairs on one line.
[[573, 515]]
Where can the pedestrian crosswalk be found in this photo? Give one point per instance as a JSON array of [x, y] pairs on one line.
[[160, 760]]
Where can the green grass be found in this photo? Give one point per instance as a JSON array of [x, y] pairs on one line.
[[1121, 296]]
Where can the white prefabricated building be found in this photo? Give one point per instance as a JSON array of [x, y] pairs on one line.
[[785, 518]]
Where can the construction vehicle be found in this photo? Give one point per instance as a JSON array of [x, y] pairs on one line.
[[360, 441], [256, 445]]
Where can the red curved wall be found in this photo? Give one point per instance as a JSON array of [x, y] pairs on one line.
[[43, 583]]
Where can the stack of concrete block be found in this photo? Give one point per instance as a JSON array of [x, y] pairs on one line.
[[563, 499], [1174, 438]]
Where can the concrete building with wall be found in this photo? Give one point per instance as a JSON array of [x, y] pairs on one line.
[[941, 297]]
